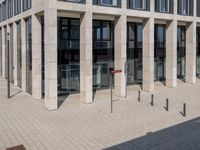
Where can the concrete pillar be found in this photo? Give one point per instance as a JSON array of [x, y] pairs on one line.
[[15, 75], [120, 55], [171, 54], [191, 53], [36, 57], [23, 46], [50, 33], [86, 86], [3, 53], [148, 55]]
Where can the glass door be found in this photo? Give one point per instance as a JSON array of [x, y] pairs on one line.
[[11, 56], [29, 55], [181, 52], [198, 52], [68, 56], [134, 53], [159, 52], [19, 56], [103, 53]]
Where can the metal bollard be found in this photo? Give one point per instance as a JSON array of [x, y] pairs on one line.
[[152, 100], [139, 96], [167, 104], [184, 109]]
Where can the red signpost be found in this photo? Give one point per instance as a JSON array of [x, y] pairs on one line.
[[112, 73]]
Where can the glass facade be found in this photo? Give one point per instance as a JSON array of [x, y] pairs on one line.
[[103, 53], [164, 6], [185, 7], [159, 52], [198, 51], [43, 56], [181, 52], [26, 4], [19, 55], [139, 4], [113, 3], [29, 55], [68, 55], [11, 55], [134, 53], [17, 7]]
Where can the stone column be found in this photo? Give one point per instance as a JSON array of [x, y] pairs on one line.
[[36, 58], [15, 53], [3, 53], [50, 33], [171, 54], [86, 86], [23, 47], [191, 53], [148, 55], [120, 55]]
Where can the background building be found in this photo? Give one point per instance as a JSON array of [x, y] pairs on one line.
[[61, 47]]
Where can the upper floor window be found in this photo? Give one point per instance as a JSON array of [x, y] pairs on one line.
[[26, 4], [10, 8], [198, 8], [75, 1], [164, 6], [17, 7], [139, 4], [185, 7], [114, 3]]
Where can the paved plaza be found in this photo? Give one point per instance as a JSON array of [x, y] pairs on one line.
[[133, 125]]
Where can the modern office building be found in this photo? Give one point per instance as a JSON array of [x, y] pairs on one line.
[[62, 47]]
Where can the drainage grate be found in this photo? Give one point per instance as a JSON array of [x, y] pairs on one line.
[[19, 147]]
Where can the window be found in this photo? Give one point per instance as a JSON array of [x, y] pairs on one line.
[[10, 8], [17, 7], [0, 13], [26, 4], [185, 7], [4, 12], [114, 3], [139, 4], [164, 5], [198, 8], [75, 1]]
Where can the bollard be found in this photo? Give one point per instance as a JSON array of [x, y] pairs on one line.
[[139, 95], [184, 109], [167, 104], [152, 100]]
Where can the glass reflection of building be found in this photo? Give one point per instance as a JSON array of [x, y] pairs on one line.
[[68, 55], [181, 52], [103, 53], [134, 53], [198, 52], [159, 52]]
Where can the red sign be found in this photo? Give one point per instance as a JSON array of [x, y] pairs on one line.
[[116, 71]]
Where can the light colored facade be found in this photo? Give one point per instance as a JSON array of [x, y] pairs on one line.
[[87, 12]]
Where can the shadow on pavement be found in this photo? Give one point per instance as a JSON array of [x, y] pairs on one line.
[[184, 136]]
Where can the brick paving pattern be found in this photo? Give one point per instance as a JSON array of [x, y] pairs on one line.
[[76, 126]]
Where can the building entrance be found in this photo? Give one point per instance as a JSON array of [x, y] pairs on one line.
[[68, 56], [198, 51], [134, 53], [103, 53], [159, 52], [181, 52]]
